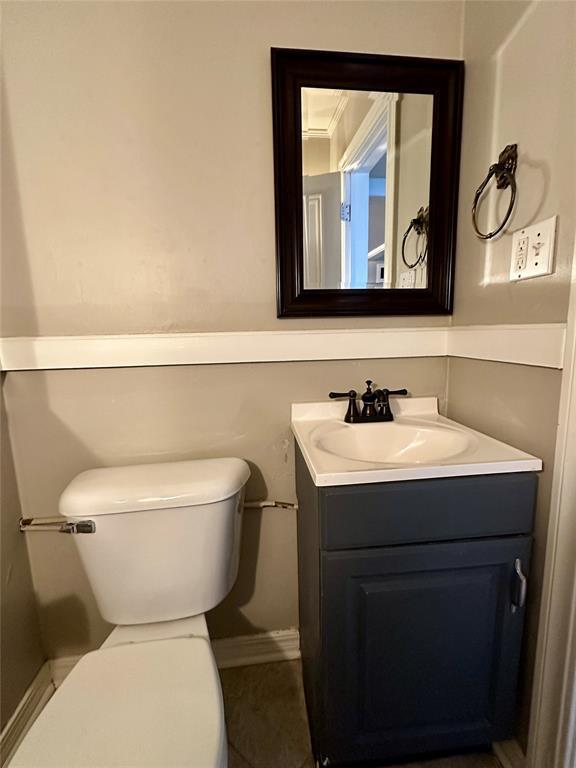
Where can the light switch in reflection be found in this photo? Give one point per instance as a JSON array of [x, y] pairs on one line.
[[533, 250]]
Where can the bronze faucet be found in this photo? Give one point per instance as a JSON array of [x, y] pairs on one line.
[[375, 404]]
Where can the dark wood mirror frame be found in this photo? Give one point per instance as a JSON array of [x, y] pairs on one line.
[[444, 80]]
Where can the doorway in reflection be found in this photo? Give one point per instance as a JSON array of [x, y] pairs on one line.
[[365, 174]]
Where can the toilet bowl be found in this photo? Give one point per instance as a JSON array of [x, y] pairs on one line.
[[165, 549]]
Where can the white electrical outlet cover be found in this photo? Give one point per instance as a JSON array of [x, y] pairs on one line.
[[407, 279], [533, 250]]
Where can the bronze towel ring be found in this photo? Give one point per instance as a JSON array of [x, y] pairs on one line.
[[420, 226], [504, 171]]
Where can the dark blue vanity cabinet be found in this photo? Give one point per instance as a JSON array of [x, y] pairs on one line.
[[411, 612]]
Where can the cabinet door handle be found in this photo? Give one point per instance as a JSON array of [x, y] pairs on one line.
[[521, 586]]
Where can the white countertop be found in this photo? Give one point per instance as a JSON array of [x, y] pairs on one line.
[[481, 455]]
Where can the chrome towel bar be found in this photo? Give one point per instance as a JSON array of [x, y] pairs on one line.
[[56, 525]]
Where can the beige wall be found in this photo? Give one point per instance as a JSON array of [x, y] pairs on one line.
[[124, 124], [520, 88], [519, 405], [358, 106], [412, 184], [21, 654], [115, 158], [315, 156], [63, 422]]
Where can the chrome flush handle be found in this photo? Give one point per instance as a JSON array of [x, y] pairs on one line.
[[521, 586], [56, 525]]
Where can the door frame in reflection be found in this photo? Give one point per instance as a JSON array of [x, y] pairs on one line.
[[375, 136]]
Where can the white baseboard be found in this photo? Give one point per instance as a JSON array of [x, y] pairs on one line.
[[30, 706], [61, 668], [509, 753], [242, 651], [257, 649]]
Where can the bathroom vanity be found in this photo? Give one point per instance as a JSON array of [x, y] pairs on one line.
[[412, 589]]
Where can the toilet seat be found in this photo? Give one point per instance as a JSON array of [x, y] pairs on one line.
[[155, 704], [191, 626]]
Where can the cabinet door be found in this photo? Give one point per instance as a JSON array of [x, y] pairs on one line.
[[420, 647]]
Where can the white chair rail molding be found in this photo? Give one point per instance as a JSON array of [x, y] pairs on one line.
[[538, 345]]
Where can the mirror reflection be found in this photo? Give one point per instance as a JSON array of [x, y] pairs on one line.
[[365, 181]]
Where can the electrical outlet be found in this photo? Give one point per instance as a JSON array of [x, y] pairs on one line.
[[533, 250], [407, 279]]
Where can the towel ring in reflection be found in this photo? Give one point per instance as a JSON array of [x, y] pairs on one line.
[[504, 171], [420, 226]]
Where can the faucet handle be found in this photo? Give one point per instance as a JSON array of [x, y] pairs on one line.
[[383, 394], [335, 395], [352, 412], [383, 402]]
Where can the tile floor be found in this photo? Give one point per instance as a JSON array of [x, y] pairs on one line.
[[266, 721]]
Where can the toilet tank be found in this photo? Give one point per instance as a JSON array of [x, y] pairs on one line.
[[167, 538]]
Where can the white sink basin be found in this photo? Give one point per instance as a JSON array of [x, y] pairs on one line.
[[418, 444], [391, 442]]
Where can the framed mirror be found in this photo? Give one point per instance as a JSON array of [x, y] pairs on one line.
[[366, 160]]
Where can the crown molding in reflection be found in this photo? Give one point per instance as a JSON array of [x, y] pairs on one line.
[[341, 99], [539, 345]]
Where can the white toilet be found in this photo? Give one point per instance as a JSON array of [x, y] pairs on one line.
[[164, 551]]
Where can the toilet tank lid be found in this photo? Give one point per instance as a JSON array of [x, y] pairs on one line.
[[112, 490]]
